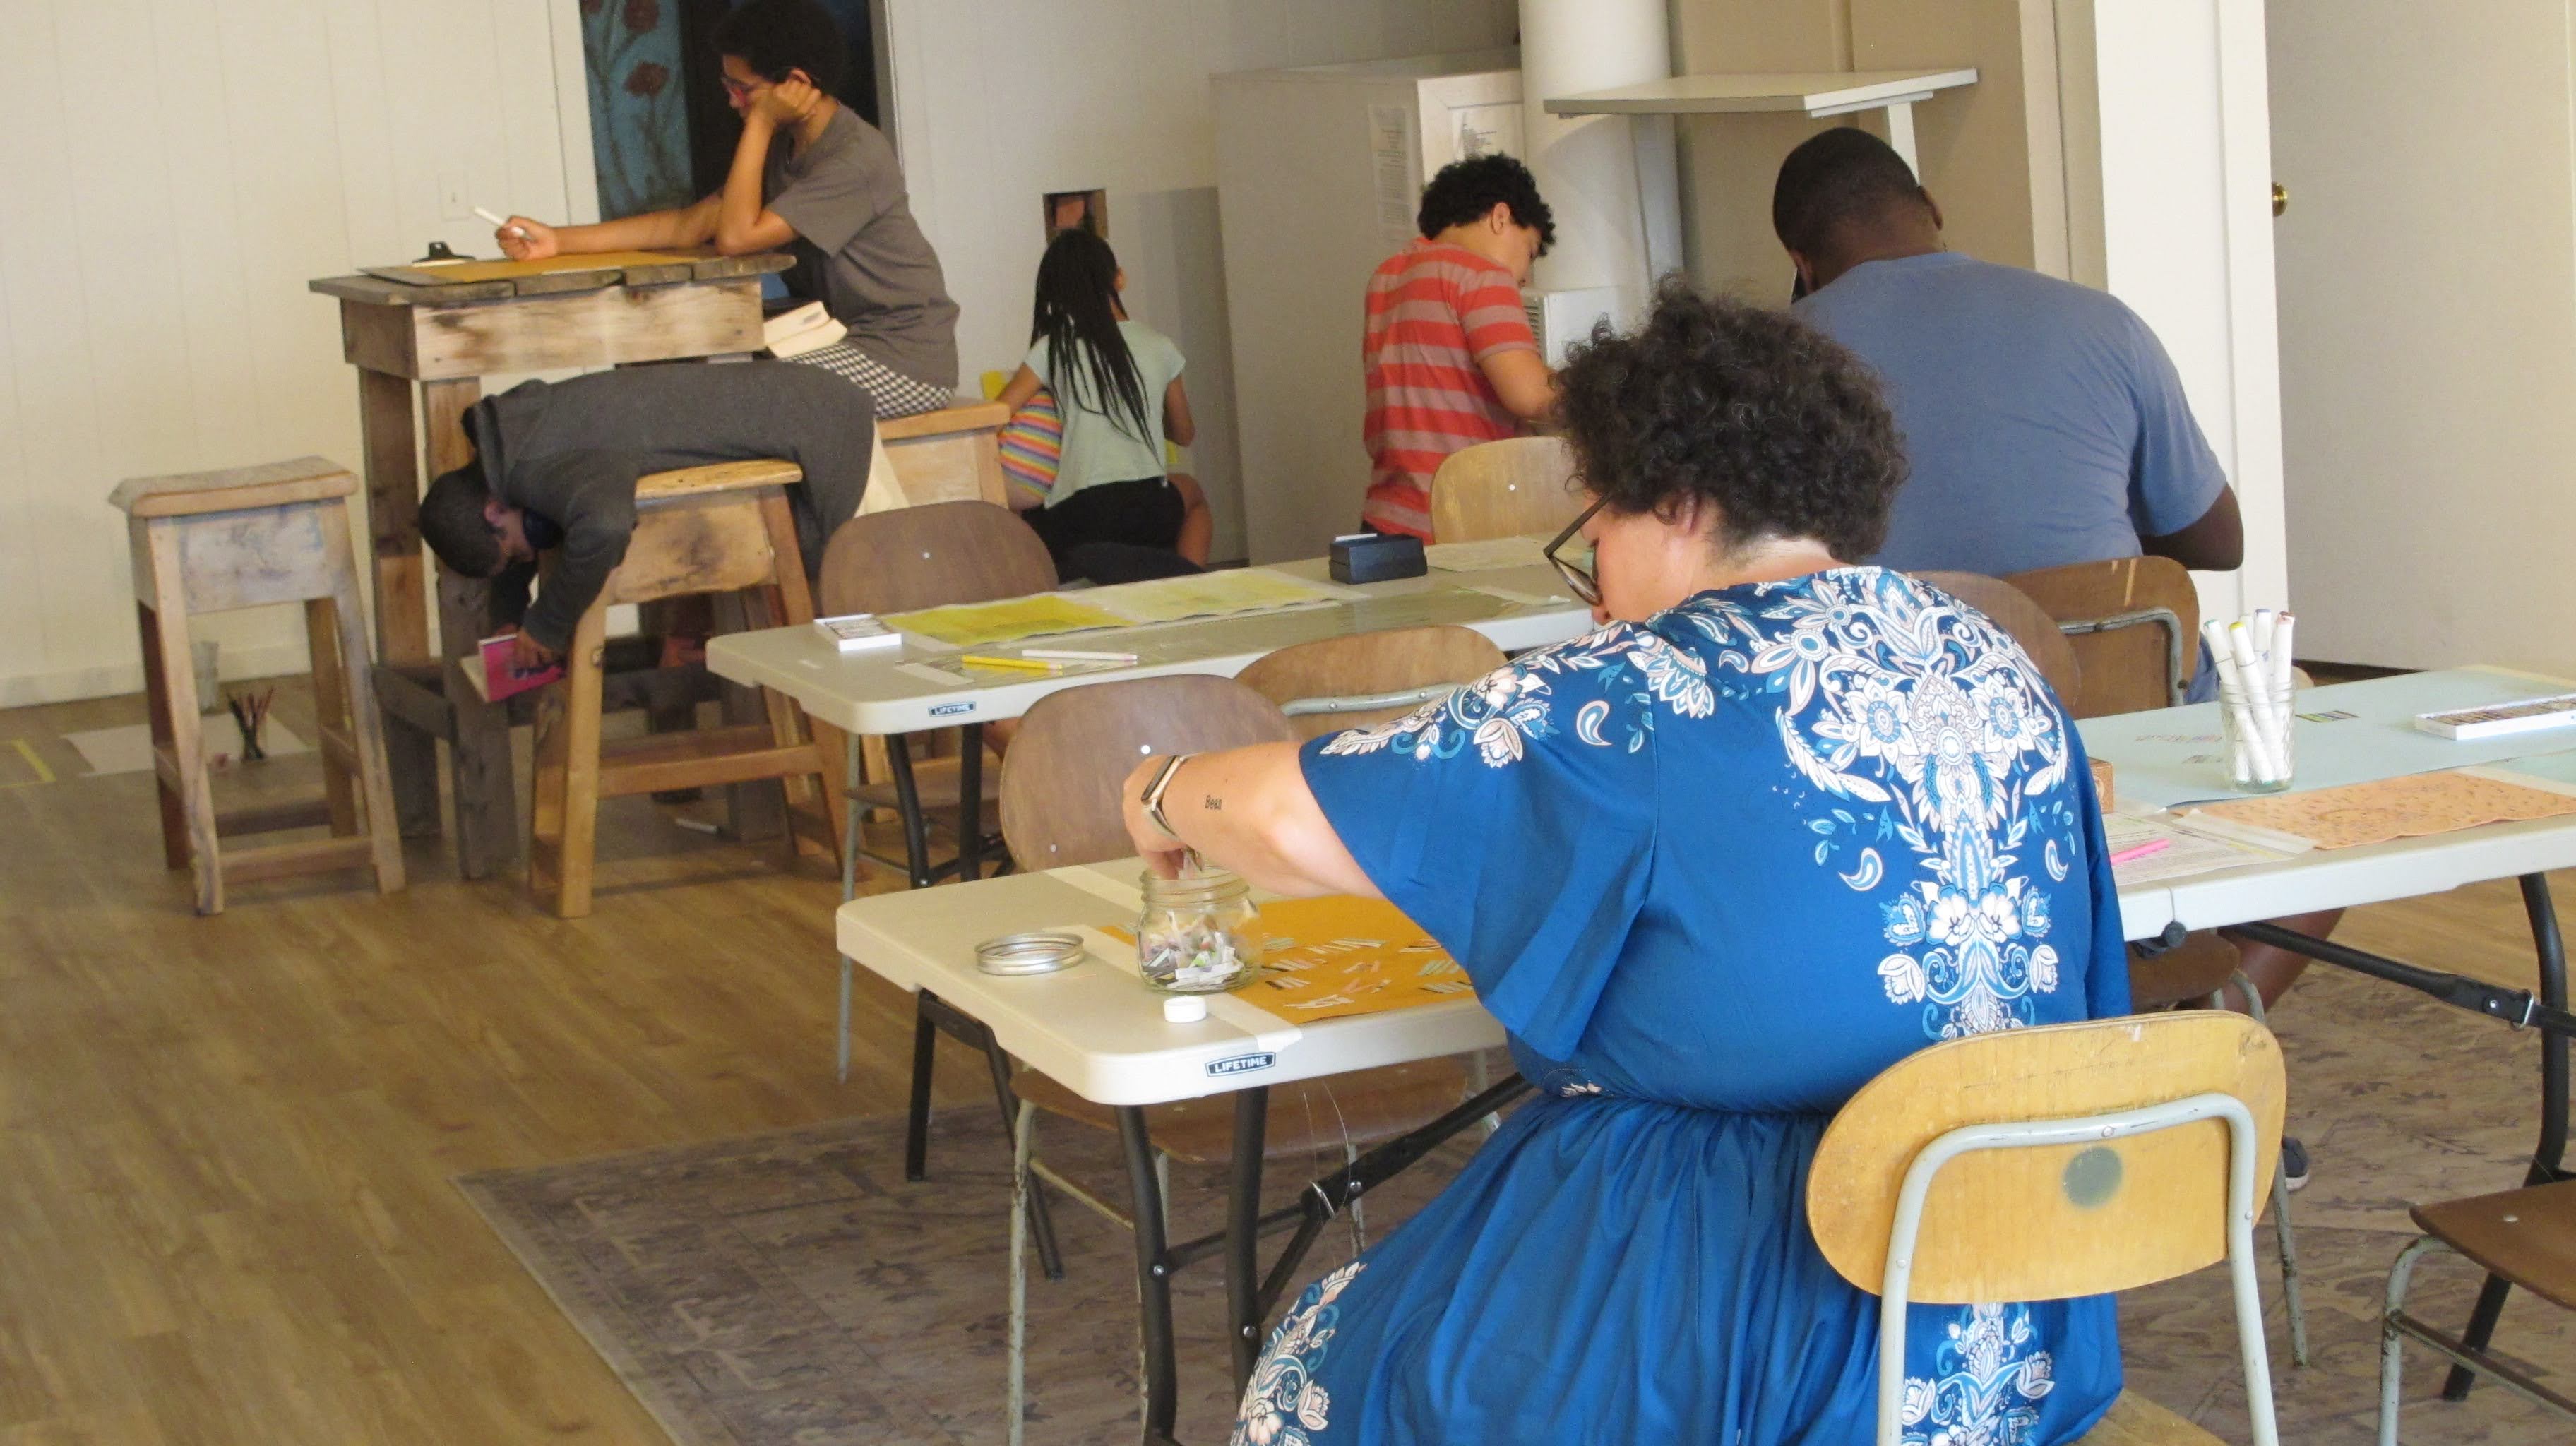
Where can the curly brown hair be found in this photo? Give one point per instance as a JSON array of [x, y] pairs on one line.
[[1750, 410]]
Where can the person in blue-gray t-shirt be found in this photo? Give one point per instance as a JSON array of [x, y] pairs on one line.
[[2043, 422]]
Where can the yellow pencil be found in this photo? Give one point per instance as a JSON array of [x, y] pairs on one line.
[[1025, 665]]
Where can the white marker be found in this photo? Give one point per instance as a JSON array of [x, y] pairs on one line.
[[2255, 679], [502, 223]]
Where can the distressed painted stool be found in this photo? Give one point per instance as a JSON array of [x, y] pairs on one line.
[[206, 542], [700, 530]]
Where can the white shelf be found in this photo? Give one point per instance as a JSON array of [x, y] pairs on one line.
[[1817, 93]]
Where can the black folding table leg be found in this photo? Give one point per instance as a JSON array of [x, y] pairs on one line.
[[1153, 1277], [907, 794], [2548, 1161], [925, 1051], [970, 801], [1243, 1231]]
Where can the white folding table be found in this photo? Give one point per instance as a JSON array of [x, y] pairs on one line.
[[1099, 1030], [1517, 607], [894, 691]]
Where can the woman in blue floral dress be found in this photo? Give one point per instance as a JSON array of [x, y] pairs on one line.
[[1778, 823]]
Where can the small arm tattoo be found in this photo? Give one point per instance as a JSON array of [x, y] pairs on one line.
[[1215, 802]]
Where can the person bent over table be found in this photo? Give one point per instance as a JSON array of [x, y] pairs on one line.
[[1779, 822]]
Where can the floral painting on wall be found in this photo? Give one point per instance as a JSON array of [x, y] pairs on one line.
[[639, 124]]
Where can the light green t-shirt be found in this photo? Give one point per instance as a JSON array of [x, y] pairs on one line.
[[1098, 449]]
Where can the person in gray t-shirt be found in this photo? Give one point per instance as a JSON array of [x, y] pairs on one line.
[[812, 178]]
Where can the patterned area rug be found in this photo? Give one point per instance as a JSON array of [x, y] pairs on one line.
[[793, 1290]]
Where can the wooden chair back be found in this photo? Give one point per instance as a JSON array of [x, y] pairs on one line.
[[2049, 1222], [1512, 488], [1368, 665], [2029, 625], [930, 556], [2134, 623], [1061, 779]]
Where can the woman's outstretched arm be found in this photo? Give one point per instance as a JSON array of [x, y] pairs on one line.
[[1249, 810]]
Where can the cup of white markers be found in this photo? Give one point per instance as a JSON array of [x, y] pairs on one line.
[[2257, 731]]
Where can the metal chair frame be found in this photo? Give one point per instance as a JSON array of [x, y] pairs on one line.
[[2243, 1147]]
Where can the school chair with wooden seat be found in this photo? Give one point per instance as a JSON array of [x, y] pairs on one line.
[[2135, 625], [2049, 1163], [724, 528], [931, 555], [2199, 969], [2012, 610], [208, 542], [1517, 487], [1334, 684], [1061, 805], [2523, 1237]]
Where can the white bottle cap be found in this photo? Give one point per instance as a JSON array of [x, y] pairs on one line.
[[1184, 1008]]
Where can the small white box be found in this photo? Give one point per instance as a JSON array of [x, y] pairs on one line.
[[2499, 720], [859, 632]]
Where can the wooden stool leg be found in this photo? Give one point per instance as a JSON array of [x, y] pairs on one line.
[[487, 813], [185, 761], [581, 689], [375, 784], [793, 605], [402, 614], [546, 806], [331, 714], [174, 817], [754, 810]]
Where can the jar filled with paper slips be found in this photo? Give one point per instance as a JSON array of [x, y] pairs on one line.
[[1198, 934]]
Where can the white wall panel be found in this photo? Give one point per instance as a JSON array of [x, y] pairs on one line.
[[155, 242]]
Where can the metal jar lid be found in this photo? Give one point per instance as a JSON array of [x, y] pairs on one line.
[[1043, 952]]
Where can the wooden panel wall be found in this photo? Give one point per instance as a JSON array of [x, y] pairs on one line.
[[156, 232]]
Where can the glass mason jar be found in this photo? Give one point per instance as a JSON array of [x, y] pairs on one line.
[[1198, 935], [2258, 734]]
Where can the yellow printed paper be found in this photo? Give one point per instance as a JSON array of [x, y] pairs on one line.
[[2394, 808], [967, 625], [1217, 594], [1335, 957]]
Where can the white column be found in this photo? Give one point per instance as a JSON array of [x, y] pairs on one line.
[[1611, 190]]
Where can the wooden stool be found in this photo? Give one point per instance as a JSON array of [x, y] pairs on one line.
[[953, 454], [209, 542], [718, 529]]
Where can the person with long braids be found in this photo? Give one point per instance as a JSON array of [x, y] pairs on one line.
[[1115, 512]]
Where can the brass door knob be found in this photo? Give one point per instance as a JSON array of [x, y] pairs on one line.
[[2280, 198]]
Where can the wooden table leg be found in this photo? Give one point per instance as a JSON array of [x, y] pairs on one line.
[[402, 616], [487, 807]]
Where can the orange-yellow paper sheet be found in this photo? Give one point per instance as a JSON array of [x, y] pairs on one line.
[[2394, 808], [1335, 957], [967, 625]]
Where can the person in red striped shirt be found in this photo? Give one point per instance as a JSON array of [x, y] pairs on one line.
[[1450, 357]]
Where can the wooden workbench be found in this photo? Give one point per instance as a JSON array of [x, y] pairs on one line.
[[445, 339]]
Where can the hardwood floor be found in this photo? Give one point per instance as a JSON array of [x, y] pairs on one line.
[[225, 1144]]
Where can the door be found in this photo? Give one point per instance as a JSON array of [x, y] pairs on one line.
[[2186, 241]]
